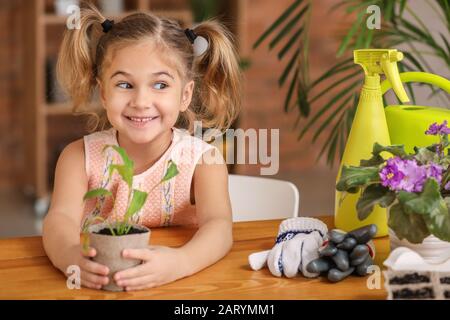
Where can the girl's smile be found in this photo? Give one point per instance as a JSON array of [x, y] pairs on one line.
[[141, 122]]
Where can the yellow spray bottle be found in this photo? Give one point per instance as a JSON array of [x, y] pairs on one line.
[[369, 126]]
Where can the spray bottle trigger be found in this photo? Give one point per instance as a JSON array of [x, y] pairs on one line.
[[390, 69]]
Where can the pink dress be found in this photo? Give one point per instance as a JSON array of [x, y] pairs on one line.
[[168, 204]]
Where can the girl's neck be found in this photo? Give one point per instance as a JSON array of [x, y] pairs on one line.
[[146, 155]]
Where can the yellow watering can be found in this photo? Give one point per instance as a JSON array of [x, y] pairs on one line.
[[407, 123]]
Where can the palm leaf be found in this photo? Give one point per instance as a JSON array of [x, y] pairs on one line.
[[395, 31], [278, 22], [327, 106], [288, 27]]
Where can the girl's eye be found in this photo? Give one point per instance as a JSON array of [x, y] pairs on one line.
[[160, 85], [124, 85]]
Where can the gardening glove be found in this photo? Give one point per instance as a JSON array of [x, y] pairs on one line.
[[296, 245]]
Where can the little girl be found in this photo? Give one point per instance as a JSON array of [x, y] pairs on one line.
[[153, 85]]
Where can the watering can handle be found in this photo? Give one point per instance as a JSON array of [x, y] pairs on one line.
[[422, 77]]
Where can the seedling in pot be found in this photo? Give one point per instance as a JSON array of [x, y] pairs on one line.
[[136, 198]]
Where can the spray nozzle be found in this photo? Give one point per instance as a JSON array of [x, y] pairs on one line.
[[382, 61]]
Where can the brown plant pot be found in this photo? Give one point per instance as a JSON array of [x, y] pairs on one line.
[[109, 250]]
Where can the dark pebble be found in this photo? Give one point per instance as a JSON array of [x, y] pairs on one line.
[[341, 260], [319, 265], [361, 269], [364, 234], [348, 244], [329, 250], [335, 275], [337, 236]]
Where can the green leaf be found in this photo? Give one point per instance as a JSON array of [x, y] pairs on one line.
[[137, 202], [377, 159], [414, 61], [411, 227], [123, 154], [395, 149], [334, 85], [327, 106], [277, 23], [438, 221], [388, 10], [125, 172], [427, 201], [91, 220], [332, 151], [352, 177], [373, 195], [96, 193], [331, 117], [171, 172], [288, 27], [402, 7], [303, 104], [289, 67], [425, 156], [290, 43], [337, 68], [290, 91], [334, 131], [356, 25]]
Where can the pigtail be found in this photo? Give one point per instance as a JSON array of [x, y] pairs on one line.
[[76, 70], [218, 96]]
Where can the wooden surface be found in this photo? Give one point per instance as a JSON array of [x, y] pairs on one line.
[[26, 272]]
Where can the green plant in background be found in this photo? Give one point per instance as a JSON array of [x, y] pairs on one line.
[[415, 187], [136, 198], [206, 9], [338, 110]]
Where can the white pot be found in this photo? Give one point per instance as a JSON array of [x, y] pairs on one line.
[[432, 249]]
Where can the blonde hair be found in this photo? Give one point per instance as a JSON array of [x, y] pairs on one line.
[[217, 96]]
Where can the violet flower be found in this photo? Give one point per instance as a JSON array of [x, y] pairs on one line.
[[447, 186], [408, 175], [436, 129], [390, 175]]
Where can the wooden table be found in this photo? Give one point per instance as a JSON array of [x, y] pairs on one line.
[[26, 272]]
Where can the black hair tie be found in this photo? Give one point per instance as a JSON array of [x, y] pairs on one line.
[[190, 34], [107, 25]]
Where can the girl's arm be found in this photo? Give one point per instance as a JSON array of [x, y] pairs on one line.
[[61, 229], [214, 237]]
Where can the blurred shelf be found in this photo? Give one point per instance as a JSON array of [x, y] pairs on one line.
[[63, 108], [58, 109]]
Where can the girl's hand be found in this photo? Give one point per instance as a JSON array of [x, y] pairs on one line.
[[160, 265], [93, 275]]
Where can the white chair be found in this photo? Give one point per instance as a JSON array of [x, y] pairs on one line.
[[255, 198]]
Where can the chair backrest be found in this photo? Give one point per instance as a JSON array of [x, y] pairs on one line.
[[255, 198]]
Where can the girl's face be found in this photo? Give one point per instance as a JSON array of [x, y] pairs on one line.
[[143, 94]]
